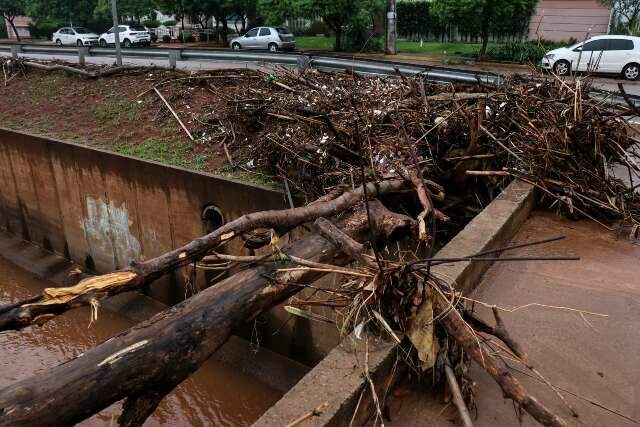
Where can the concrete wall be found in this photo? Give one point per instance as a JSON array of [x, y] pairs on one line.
[[560, 20], [103, 210]]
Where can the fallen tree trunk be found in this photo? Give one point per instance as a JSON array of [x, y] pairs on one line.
[[54, 301], [92, 74], [147, 361]]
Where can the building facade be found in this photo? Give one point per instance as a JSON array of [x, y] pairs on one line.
[[22, 25], [561, 20]]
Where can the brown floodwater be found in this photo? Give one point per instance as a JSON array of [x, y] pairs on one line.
[[216, 395]]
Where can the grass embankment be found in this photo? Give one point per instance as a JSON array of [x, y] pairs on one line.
[[102, 113], [109, 114], [404, 46]]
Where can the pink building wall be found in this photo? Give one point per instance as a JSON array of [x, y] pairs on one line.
[[560, 20], [22, 25]]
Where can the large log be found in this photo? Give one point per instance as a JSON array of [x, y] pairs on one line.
[[52, 302], [146, 362]]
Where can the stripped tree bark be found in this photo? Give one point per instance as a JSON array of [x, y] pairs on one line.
[[54, 301], [146, 362]]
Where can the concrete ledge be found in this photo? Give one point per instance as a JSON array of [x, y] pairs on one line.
[[338, 379]]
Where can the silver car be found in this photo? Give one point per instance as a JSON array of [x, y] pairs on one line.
[[272, 38]]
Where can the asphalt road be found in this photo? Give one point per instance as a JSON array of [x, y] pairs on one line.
[[632, 88]]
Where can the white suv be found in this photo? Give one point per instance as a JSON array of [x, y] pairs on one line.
[[129, 35], [601, 54], [78, 36]]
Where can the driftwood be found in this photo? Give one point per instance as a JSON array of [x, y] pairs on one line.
[[458, 400], [468, 143], [84, 73], [455, 325], [41, 308], [174, 113], [146, 362]]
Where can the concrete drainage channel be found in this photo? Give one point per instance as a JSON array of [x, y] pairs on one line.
[[107, 186]]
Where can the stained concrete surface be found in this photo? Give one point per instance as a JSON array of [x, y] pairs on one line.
[[592, 358]]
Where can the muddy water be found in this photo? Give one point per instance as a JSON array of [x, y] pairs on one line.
[[214, 396]]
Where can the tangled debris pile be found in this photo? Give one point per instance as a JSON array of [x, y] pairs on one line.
[[317, 128], [468, 141], [455, 145]]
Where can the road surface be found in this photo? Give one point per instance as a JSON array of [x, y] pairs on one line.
[[591, 358]]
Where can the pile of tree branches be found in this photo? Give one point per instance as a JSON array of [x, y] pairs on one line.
[[316, 130], [380, 161]]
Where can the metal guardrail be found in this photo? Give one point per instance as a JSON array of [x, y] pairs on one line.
[[367, 66], [329, 62]]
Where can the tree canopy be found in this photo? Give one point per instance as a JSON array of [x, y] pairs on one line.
[[627, 13], [78, 12], [337, 14], [9, 9], [486, 17]]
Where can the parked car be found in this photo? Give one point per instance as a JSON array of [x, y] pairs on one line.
[[601, 54], [272, 38], [78, 36], [129, 35]]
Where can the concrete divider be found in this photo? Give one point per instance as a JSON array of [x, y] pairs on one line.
[[103, 210], [338, 379]]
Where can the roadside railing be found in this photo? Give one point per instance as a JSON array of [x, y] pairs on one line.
[[323, 61], [329, 62]]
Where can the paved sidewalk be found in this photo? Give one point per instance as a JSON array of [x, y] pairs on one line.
[[595, 358]]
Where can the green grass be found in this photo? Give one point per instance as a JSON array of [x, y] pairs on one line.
[[404, 46], [167, 152], [255, 177], [436, 48], [115, 111], [324, 43]]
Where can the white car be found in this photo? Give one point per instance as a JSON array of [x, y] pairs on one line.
[[601, 54], [78, 36], [129, 35]]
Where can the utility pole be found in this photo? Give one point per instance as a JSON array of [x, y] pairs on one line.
[[392, 29], [116, 32]]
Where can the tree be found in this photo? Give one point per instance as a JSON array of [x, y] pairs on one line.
[[628, 11], [78, 12], [337, 14], [199, 11], [136, 9], [9, 9], [484, 17], [246, 11], [178, 8]]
